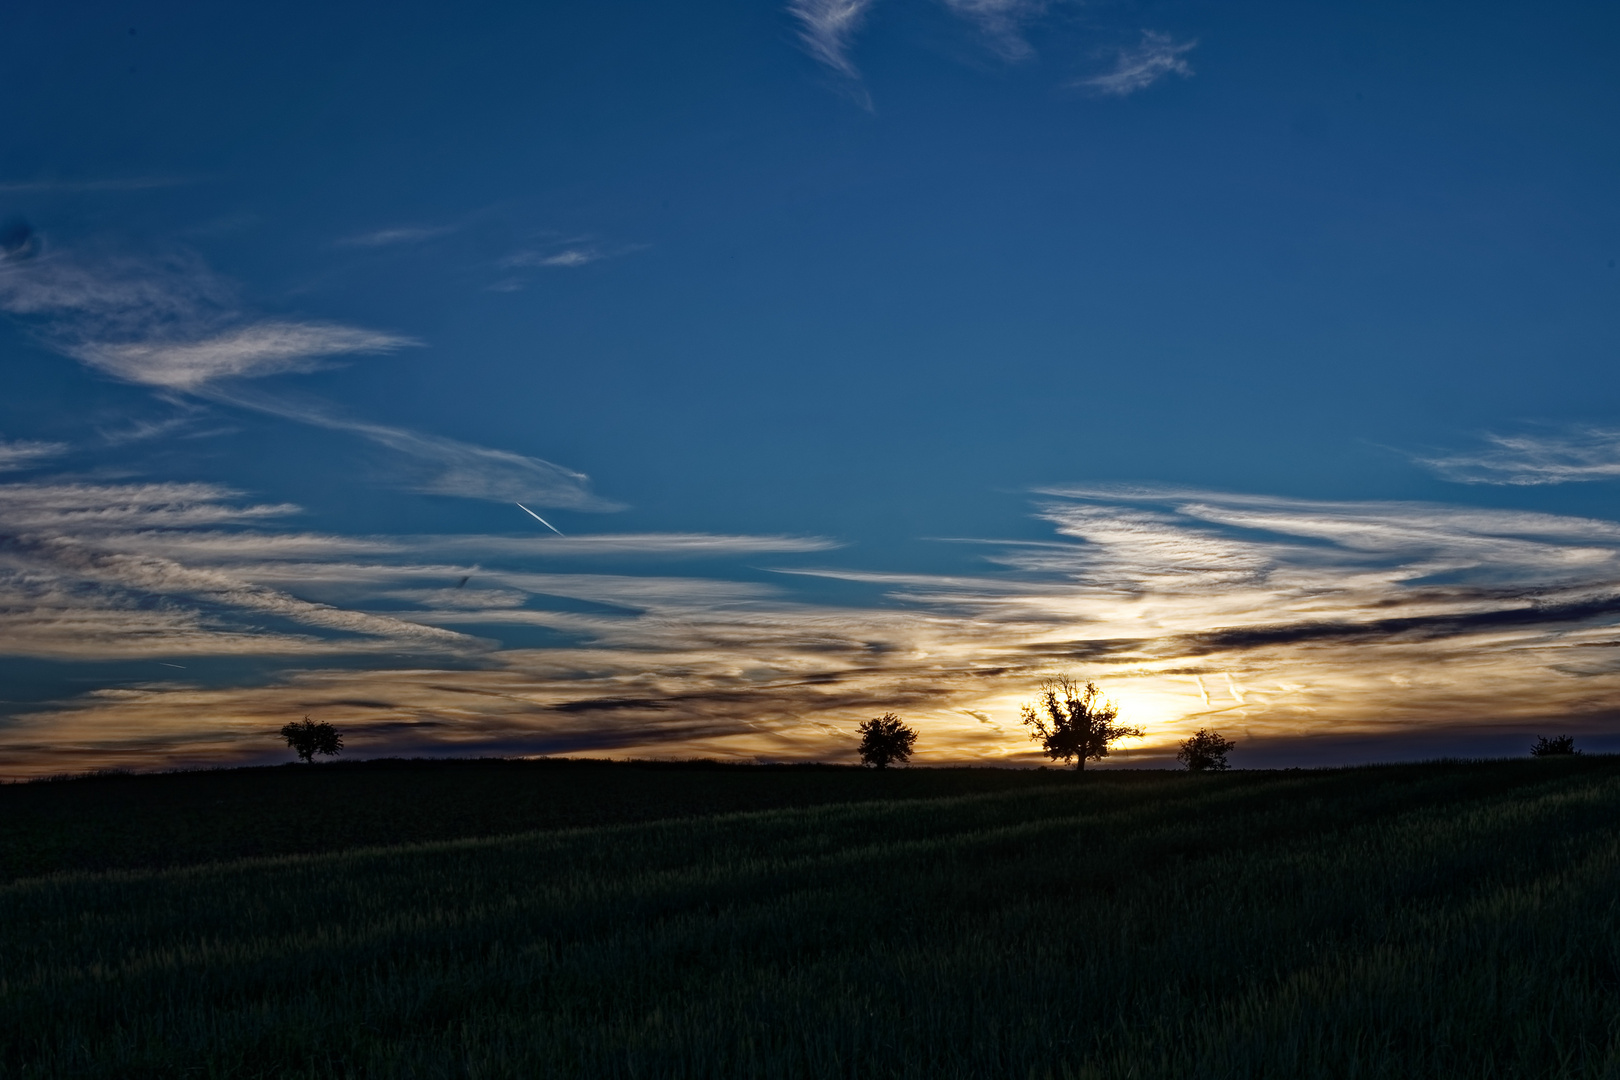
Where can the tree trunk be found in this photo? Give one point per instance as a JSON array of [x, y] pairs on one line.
[[1080, 763]]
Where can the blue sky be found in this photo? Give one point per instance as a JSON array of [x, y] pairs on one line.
[[1252, 359]]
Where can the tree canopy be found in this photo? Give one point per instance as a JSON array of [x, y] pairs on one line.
[[308, 738], [1074, 722], [1556, 746], [1205, 751], [885, 739]]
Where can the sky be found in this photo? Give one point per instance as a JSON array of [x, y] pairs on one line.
[[699, 380]]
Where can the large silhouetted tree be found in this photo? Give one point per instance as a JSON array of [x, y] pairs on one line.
[[307, 738], [1073, 722], [1205, 751], [886, 739]]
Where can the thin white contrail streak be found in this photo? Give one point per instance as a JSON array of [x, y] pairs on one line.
[[538, 518]]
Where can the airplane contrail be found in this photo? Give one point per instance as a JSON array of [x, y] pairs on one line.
[[538, 518]]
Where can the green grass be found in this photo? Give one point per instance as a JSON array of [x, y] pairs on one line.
[[1443, 920]]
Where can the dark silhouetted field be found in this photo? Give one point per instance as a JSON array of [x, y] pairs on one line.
[[1437, 920]]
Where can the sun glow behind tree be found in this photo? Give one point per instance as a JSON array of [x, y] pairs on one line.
[[1189, 623]]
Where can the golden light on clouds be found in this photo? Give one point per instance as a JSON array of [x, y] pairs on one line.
[[1271, 619]]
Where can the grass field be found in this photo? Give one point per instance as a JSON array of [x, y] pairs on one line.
[[1436, 920], [126, 822]]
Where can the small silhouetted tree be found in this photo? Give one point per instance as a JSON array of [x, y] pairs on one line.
[[1074, 723], [1553, 747], [307, 738], [886, 739], [1205, 751]]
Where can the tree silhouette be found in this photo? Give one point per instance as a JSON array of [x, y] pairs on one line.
[[886, 739], [1205, 751], [1073, 722], [307, 738], [1556, 746]]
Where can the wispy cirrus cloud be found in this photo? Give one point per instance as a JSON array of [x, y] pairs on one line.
[[399, 234], [178, 573], [567, 256], [1278, 619], [157, 576], [1001, 22], [437, 465], [620, 545], [168, 322], [173, 325], [1572, 456], [269, 347], [136, 429], [85, 572], [26, 453], [827, 28], [1140, 66], [445, 466], [116, 296], [204, 545], [566, 253]]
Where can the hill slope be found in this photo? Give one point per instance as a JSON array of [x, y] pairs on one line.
[[1437, 920]]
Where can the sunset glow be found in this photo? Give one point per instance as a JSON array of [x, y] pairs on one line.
[[704, 383]]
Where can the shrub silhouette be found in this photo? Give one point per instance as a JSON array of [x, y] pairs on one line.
[[886, 739], [1205, 751], [1073, 722], [307, 738], [1553, 747]]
